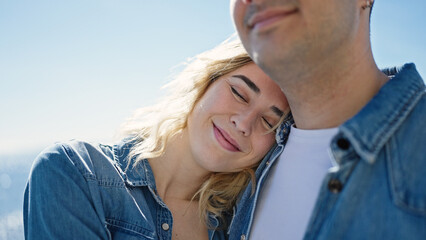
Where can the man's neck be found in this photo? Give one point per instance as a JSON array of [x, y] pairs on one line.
[[333, 91]]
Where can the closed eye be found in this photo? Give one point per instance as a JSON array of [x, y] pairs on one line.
[[267, 124], [237, 94]]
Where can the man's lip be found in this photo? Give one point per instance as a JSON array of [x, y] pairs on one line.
[[268, 16], [228, 139]]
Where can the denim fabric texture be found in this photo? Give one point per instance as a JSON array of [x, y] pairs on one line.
[[378, 189], [81, 191]]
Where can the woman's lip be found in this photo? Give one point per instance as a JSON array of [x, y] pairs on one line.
[[225, 140], [268, 17]]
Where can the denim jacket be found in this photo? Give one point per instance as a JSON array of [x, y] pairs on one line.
[[378, 189], [80, 191]]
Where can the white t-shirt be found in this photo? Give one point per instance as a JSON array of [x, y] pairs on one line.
[[290, 192]]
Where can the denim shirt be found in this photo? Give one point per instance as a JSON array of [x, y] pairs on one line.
[[378, 188], [80, 191]]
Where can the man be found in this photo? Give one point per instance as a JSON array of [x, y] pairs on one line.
[[353, 165]]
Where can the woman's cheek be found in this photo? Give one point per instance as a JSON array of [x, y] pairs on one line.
[[265, 143]]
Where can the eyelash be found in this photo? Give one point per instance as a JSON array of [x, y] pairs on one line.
[[238, 95], [267, 123]]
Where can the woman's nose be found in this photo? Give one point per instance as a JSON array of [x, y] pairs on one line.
[[244, 122]]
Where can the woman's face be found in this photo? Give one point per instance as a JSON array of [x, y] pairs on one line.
[[228, 128]]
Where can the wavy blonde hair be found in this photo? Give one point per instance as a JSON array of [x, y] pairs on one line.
[[152, 127]]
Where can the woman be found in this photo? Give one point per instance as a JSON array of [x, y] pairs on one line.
[[179, 170]]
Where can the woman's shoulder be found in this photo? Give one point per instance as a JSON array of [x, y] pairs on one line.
[[82, 180], [89, 159]]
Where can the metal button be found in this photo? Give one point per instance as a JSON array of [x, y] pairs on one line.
[[343, 144], [165, 226], [335, 186], [243, 237]]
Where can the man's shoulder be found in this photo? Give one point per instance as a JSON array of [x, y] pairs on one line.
[[407, 160], [415, 124], [410, 139]]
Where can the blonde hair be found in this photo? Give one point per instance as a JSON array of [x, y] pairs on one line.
[[152, 127]]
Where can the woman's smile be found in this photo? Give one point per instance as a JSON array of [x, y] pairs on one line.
[[225, 140]]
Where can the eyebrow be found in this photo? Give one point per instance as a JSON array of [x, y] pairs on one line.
[[249, 83], [277, 111]]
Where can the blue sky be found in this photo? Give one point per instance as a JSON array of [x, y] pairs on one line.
[[77, 69]]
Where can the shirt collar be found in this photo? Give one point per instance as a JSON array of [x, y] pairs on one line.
[[284, 129], [371, 128], [134, 175]]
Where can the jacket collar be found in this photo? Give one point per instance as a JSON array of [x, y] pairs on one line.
[[371, 128], [284, 130]]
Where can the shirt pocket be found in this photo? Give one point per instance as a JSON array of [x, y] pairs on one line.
[[407, 172], [122, 230]]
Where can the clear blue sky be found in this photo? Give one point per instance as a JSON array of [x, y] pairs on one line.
[[77, 69]]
